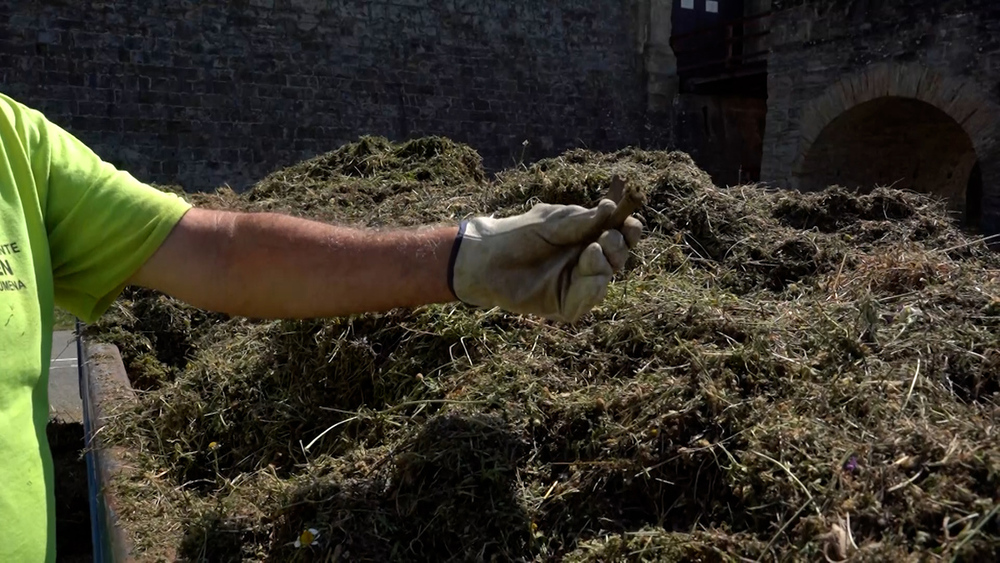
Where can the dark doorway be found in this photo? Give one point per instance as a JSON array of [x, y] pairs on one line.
[[701, 25], [721, 46]]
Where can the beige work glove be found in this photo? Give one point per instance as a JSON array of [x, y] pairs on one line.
[[554, 261]]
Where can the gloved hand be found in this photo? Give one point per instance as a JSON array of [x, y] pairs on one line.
[[554, 261]]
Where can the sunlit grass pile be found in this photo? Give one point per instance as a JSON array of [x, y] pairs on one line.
[[776, 376]]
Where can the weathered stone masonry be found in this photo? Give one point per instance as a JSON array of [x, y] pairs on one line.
[[858, 92], [210, 92], [895, 92]]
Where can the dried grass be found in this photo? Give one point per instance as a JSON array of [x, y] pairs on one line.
[[777, 376]]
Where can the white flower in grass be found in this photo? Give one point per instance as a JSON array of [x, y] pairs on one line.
[[307, 538]]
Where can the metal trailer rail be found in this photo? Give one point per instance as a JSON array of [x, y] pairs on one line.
[[102, 379]]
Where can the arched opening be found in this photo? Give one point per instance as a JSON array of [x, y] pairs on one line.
[[899, 142]]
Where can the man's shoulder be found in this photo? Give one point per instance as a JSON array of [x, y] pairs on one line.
[[21, 121]]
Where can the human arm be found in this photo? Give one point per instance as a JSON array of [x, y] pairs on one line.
[[267, 265], [554, 261], [105, 229]]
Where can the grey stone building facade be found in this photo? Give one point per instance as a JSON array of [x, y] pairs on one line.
[[794, 93], [211, 92]]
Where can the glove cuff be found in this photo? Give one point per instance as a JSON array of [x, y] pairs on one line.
[[454, 257]]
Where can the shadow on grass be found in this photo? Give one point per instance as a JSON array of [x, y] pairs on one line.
[[448, 494], [217, 538]]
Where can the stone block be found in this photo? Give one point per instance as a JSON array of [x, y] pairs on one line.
[[49, 37]]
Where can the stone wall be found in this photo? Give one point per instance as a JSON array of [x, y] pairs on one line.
[[210, 92], [830, 56]]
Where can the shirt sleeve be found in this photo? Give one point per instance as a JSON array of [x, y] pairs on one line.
[[102, 223]]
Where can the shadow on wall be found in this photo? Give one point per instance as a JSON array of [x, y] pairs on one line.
[[974, 198], [900, 142]]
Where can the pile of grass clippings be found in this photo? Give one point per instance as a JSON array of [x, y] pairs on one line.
[[775, 376]]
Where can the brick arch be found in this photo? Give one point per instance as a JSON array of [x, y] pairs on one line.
[[960, 99]]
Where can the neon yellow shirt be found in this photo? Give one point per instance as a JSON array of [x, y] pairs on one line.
[[73, 230]]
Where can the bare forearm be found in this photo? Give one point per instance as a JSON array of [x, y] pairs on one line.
[[275, 266]]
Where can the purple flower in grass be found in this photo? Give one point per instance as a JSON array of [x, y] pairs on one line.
[[852, 464]]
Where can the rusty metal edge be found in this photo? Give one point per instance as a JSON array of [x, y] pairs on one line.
[[103, 382]]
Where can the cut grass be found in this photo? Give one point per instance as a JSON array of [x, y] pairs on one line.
[[64, 320], [772, 371]]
